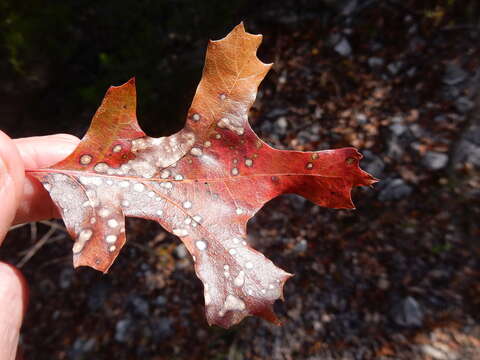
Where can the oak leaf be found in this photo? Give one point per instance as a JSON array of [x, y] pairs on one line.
[[202, 184]]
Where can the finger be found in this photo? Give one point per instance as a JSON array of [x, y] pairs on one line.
[[11, 182], [13, 303], [40, 152]]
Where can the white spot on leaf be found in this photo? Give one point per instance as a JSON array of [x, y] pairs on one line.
[[201, 245], [180, 232]]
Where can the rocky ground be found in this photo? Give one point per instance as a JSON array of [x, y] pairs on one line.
[[398, 278]]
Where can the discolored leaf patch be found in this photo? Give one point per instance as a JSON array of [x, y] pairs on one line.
[[202, 184]]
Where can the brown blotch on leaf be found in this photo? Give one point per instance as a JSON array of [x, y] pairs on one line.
[[350, 161]]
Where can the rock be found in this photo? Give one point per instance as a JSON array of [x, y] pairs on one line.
[[181, 251], [140, 305], [454, 74], [464, 104], [65, 278], [395, 67], [467, 152], [398, 129], [374, 62], [343, 47], [361, 118], [394, 190], [282, 124], [395, 148], [301, 246], [81, 348], [162, 329], [373, 164], [160, 300], [434, 160], [408, 313], [276, 112], [434, 353], [124, 330]]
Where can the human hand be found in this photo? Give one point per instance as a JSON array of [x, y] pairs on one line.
[[23, 200]]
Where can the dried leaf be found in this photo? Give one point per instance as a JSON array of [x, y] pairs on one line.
[[202, 183]]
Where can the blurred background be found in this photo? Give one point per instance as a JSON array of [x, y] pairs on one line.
[[398, 278]]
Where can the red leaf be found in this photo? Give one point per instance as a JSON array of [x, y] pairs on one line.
[[202, 183]]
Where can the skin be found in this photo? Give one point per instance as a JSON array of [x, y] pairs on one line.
[[23, 200]]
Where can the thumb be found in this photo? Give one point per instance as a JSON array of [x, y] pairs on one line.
[[13, 302], [12, 286], [12, 176]]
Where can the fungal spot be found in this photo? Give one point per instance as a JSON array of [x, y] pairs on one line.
[[139, 187], [151, 194], [223, 96], [124, 184], [309, 165], [226, 267], [85, 235], [232, 251], [234, 171], [187, 221], [93, 220], [239, 211], [240, 279], [167, 185], [208, 299], [110, 239], [103, 212], [248, 162], [218, 136], [187, 204], [112, 223], [271, 287], [201, 245], [112, 248], [109, 182], [249, 265], [196, 151], [86, 159], [314, 156], [236, 240], [196, 117], [232, 125], [197, 218], [180, 232], [178, 177], [117, 148], [125, 203], [235, 161], [349, 161], [165, 174], [159, 212], [101, 167], [232, 303], [207, 144]]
